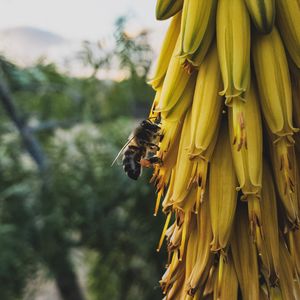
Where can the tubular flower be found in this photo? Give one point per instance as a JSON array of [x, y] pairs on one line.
[[228, 104]]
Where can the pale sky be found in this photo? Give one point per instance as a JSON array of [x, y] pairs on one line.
[[77, 19]]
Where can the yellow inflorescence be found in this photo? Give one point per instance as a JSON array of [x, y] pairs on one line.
[[228, 100]]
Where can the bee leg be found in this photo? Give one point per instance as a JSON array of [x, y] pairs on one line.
[[155, 160], [149, 162], [145, 163]]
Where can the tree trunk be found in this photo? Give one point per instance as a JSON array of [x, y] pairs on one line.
[[66, 279]]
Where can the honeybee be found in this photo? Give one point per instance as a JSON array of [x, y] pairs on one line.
[[140, 149]]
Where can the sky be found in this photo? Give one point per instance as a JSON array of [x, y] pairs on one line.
[[77, 19]]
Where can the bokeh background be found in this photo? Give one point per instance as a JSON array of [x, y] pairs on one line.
[[73, 85]]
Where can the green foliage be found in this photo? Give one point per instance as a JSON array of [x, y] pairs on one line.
[[80, 201], [114, 220], [15, 258], [128, 98]]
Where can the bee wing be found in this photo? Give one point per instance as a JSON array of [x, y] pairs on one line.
[[121, 151]]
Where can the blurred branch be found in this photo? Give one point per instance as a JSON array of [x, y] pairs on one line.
[[30, 142]]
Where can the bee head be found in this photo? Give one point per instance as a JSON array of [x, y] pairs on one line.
[[147, 124]]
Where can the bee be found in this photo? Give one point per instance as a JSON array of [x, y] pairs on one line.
[[140, 149]]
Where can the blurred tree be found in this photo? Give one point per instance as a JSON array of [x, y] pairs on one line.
[[133, 52], [114, 221], [134, 55], [77, 201], [96, 56], [55, 255]]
